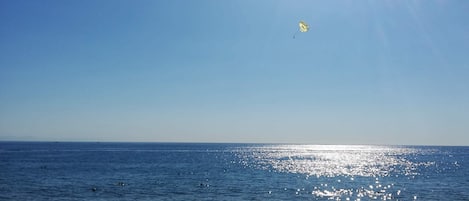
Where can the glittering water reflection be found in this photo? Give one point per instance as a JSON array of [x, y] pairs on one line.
[[333, 160], [340, 172]]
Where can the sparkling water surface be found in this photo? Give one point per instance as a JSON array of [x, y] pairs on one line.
[[178, 171]]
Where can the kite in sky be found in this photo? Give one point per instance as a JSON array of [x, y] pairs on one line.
[[303, 28]]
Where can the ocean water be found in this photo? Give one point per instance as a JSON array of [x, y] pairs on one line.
[[175, 171]]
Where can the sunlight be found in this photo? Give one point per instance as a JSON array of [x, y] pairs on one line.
[[333, 160]]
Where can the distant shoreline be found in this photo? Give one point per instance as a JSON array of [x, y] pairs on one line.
[[216, 143]]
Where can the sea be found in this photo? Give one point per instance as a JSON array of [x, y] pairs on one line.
[[210, 171]]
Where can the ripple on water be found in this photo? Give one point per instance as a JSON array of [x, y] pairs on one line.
[[362, 167], [332, 160]]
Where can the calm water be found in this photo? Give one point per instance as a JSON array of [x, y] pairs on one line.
[[157, 171]]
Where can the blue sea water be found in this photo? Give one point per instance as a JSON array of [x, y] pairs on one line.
[[176, 171]]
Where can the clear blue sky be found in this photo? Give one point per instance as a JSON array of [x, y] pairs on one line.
[[367, 72]]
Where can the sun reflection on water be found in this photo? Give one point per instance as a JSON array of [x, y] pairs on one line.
[[333, 160], [353, 172]]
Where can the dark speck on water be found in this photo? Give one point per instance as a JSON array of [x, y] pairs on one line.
[[181, 171]]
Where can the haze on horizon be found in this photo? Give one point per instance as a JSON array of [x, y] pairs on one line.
[[367, 72]]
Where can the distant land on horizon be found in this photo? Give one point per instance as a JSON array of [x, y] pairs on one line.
[[200, 142]]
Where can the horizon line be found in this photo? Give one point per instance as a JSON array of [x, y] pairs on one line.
[[221, 142]]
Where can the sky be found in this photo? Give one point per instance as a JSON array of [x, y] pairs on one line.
[[367, 72]]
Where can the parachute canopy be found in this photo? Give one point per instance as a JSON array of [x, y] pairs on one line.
[[303, 26]]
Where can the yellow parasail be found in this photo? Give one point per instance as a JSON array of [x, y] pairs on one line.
[[303, 26]]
